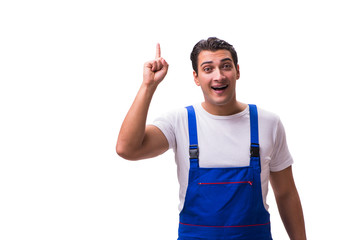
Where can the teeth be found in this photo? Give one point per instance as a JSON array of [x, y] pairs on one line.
[[220, 87]]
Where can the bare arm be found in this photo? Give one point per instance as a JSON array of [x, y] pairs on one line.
[[288, 202], [136, 140]]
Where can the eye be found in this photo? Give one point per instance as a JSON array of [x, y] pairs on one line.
[[227, 66], [207, 69]]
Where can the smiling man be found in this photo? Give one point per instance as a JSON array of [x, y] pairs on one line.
[[216, 75], [226, 151]]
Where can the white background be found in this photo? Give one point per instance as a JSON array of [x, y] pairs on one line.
[[69, 71]]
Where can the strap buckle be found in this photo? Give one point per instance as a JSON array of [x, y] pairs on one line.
[[255, 150], [194, 151]]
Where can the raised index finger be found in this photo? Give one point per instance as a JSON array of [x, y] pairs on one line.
[[158, 51]]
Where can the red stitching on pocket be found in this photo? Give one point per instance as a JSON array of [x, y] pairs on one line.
[[253, 225]]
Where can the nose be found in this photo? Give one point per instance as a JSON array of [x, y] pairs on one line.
[[218, 75]]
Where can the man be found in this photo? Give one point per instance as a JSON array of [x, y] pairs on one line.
[[226, 151]]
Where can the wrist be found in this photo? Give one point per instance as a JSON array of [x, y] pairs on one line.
[[148, 88]]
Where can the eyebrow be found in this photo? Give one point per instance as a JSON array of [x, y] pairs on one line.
[[222, 60]]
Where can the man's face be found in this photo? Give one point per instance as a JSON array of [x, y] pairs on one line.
[[217, 77]]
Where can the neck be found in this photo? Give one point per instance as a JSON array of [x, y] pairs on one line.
[[224, 110]]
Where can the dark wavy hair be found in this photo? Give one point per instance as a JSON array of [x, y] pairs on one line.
[[211, 44]]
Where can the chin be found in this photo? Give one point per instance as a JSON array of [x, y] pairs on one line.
[[219, 102]]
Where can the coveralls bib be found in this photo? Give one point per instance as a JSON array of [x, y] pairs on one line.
[[224, 203]]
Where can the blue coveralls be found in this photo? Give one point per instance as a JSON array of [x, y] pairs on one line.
[[224, 203]]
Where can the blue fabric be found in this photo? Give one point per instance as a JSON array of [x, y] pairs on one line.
[[194, 163], [254, 130], [254, 134], [224, 203], [192, 125]]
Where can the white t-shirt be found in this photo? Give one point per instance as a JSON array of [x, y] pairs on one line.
[[224, 141]]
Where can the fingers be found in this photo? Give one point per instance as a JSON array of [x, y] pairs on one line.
[[155, 70], [155, 66], [158, 64], [158, 51]]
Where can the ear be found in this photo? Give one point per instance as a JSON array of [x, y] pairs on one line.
[[237, 72], [196, 78]]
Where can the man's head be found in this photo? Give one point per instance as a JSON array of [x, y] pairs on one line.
[[211, 44], [216, 71]]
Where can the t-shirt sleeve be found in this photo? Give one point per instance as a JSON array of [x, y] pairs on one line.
[[166, 124], [280, 157]]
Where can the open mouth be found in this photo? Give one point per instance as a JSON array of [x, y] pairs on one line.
[[219, 88]]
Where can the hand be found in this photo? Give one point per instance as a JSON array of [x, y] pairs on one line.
[[155, 70]]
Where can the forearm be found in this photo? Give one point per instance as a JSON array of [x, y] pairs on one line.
[[292, 216], [135, 140], [132, 131]]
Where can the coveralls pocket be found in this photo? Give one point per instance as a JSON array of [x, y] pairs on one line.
[[219, 193]]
